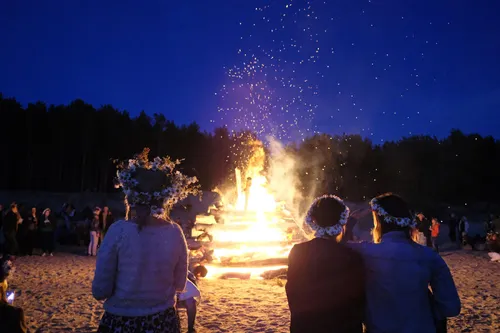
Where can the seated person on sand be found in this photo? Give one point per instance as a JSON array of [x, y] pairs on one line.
[[326, 286], [399, 274], [190, 297], [143, 262], [11, 318]]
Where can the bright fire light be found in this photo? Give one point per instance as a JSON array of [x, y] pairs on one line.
[[255, 236]]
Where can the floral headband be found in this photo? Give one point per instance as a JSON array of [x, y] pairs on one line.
[[180, 185], [400, 221], [333, 230]]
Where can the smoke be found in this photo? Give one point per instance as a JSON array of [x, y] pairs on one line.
[[284, 183]]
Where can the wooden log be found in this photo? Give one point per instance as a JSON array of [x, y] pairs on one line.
[[257, 263], [234, 275], [275, 273]]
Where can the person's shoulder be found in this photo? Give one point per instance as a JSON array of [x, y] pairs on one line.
[[174, 228], [11, 311], [350, 250], [359, 246], [120, 224]]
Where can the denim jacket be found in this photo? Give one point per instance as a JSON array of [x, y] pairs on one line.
[[399, 273]]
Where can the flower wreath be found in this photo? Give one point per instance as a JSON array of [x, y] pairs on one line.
[[400, 221], [333, 230], [179, 187]]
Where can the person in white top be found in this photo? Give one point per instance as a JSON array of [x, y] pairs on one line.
[[142, 263]]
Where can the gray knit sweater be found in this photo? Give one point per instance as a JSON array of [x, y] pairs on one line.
[[139, 272]]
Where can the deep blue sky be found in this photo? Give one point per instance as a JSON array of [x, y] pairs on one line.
[[398, 67]]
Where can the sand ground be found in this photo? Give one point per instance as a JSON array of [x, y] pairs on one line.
[[55, 294]]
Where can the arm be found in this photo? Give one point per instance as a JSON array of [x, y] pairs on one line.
[[291, 274], [446, 299], [181, 269], [106, 265]]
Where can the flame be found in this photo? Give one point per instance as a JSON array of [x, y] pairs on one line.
[[253, 230]]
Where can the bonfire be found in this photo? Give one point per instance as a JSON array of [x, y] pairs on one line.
[[252, 234]]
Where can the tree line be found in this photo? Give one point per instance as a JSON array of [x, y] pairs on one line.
[[72, 148]]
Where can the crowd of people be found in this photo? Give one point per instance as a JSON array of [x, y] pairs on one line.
[[426, 232], [396, 283], [22, 231]]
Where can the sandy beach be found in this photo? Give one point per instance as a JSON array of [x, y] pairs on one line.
[[55, 294]]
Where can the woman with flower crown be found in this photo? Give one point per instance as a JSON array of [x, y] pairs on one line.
[[409, 286], [142, 263], [325, 285]]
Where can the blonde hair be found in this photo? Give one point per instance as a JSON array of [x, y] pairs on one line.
[[3, 291], [377, 230]]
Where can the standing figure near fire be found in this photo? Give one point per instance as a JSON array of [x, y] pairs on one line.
[[399, 273], [143, 262], [325, 286], [248, 186]]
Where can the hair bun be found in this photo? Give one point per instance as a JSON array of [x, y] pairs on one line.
[[151, 180]]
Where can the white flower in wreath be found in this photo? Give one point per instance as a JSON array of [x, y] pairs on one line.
[[400, 221], [333, 230]]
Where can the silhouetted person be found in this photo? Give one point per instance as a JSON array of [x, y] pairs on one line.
[[106, 219], [453, 224], [326, 279], [47, 226], [424, 226], [10, 226], [29, 226], [248, 186]]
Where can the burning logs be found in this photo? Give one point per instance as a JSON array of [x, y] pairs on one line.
[[235, 275], [275, 274], [255, 263]]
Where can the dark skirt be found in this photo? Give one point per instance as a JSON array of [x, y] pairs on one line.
[[162, 322]]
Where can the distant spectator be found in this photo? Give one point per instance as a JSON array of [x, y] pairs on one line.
[[94, 233], [435, 233], [106, 219], [47, 226], [488, 225], [453, 224], [10, 225], [29, 226], [463, 230], [424, 227]]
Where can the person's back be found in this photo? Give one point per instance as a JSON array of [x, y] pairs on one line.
[[12, 319], [325, 279], [399, 272], [325, 287], [150, 265]]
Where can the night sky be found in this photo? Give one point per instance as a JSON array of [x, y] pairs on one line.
[[383, 69]]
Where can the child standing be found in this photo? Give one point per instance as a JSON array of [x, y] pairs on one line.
[[435, 233]]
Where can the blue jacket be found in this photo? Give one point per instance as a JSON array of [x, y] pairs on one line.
[[398, 275]]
